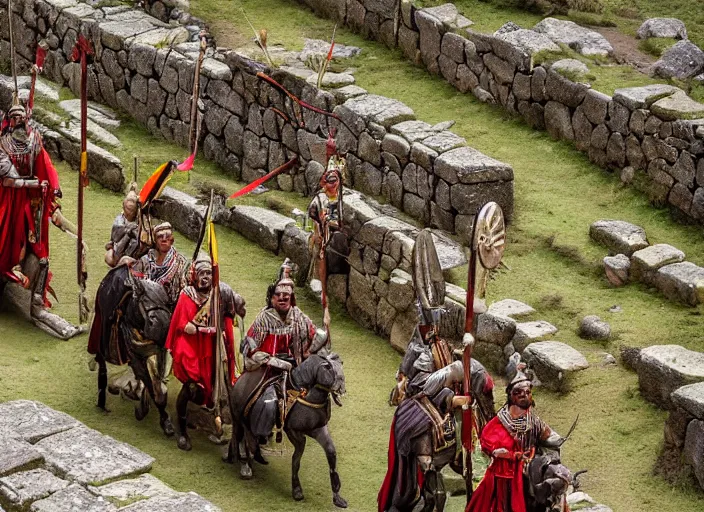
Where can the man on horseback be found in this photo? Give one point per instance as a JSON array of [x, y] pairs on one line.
[[29, 190], [191, 340], [124, 236], [511, 439], [163, 264]]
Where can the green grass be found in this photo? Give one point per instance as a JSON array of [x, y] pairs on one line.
[[656, 46], [552, 261]]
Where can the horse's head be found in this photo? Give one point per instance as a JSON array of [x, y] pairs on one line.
[[324, 370], [549, 480], [152, 304]]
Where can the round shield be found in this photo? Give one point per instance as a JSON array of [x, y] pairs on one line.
[[489, 235], [427, 272]]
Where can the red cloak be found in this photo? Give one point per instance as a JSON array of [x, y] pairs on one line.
[[489, 497], [18, 219], [193, 353]]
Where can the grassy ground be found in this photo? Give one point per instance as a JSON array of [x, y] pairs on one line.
[[553, 267]]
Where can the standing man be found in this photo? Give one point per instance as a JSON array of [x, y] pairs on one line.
[[163, 264], [191, 340], [510, 439]]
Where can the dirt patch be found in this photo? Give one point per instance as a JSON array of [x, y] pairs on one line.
[[626, 49]]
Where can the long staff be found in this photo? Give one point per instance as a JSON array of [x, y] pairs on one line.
[[81, 52]]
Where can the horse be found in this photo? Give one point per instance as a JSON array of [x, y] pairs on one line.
[[256, 410], [423, 441], [132, 318], [547, 480]]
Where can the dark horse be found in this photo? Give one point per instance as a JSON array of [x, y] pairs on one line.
[[423, 441], [255, 410], [131, 323]]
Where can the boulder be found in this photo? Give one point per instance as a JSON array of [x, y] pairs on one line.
[[594, 328], [558, 121], [528, 332], [681, 281], [182, 211], [690, 398], [662, 27], [664, 368], [646, 261], [554, 363], [32, 421], [571, 68], [332, 80], [683, 60], [618, 236], [585, 41], [529, 41], [617, 269], [678, 106], [510, 307], [643, 96]]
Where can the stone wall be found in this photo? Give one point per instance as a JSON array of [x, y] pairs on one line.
[[655, 134], [145, 67]]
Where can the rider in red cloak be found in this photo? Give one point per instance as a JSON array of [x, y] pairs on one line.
[[191, 340]]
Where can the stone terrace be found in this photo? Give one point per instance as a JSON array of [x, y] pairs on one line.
[[50, 462]]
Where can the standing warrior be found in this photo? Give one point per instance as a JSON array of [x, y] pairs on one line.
[[29, 189], [329, 246], [192, 339], [511, 439], [163, 264]]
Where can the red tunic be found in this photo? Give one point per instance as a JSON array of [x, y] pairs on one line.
[[193, 353], [16, 212], [491, 493]]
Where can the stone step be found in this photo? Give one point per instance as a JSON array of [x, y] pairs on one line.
[[554, 363], [664, 368]]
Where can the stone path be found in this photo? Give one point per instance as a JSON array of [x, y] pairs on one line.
[[51, 462]]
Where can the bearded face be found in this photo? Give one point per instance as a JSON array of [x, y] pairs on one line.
[[522, 395], [281, 299]]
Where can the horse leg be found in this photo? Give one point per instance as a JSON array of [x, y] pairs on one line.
[[322, 435], [102, 381], [164, 420], [433, 489], [247, 439], [298, 440], [190, 392]]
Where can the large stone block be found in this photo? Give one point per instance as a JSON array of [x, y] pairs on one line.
[[379, 109], [564, 90], [19, 490], [682, 282], [495, 329], [190, 502], [431, 31], [643, 96], [259, 225], [73, 498], [182, 211], [555, 363], [690, 398], [645, 262], [528, 332], [618, 236], [694, 449], [16, 454], [468, 165], [558, 121], [502, 71], [664, 368]]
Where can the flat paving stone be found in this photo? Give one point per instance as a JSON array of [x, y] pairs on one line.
[[190, 502], [511, 307], [125, 492], [20, 489], [664, 368], [527, 332], [33, 421], [690, 398], [17, 454], [73, 498], [678, 106], [89, 457], [104, 116], [646, 261]]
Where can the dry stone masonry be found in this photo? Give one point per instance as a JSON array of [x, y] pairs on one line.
[[632, 258], [656, 131], [145, 67], [50, 462]]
